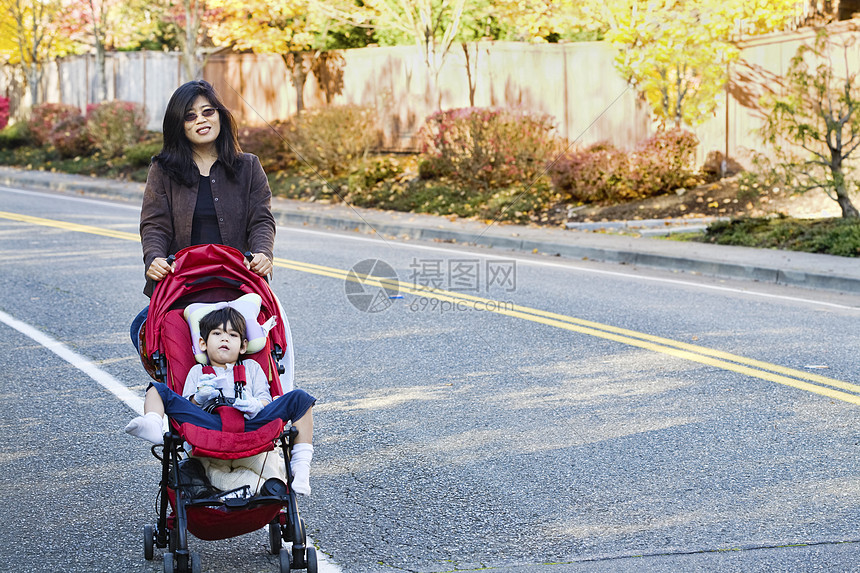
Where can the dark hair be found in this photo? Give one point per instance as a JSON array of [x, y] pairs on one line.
[[175, 157], [219, 319]]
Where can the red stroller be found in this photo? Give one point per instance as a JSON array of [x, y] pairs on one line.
[[212, 273]]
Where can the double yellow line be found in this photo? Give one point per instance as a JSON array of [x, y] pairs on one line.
[[830, 387]]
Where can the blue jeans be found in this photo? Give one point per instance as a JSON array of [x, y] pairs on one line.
[[289, 407], [136, 325]]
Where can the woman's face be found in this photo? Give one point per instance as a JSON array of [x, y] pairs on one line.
[[202, 131]]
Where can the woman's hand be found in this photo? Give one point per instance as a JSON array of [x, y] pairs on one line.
[[260, 264], [158, 269]]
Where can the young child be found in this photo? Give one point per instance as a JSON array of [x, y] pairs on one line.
[[222, 337]]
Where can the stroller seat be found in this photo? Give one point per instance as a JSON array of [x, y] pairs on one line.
[[232, 442]]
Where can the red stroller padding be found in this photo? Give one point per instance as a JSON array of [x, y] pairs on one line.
[[229, 445], [208, 273], [213, 523], [212, 273]]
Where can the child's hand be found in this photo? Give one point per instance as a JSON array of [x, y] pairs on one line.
[[250, 406], [205, 389]]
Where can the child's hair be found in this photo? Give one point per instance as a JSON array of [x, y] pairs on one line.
[[219, 318]]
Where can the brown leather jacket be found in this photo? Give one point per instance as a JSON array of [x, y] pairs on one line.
[[243, 207]]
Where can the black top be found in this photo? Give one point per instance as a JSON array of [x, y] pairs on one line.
[[204, 225]]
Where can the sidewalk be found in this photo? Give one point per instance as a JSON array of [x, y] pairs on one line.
[[779, 267]]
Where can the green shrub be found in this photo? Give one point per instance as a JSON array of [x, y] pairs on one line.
[[115, 125], [373, 171], [332, 139], [836, 236], [141, 154], [70, 137], [491, 148], [433, 167], [15, 135], [45, 117]]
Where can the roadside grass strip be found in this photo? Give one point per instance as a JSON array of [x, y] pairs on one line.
[[822, 385]]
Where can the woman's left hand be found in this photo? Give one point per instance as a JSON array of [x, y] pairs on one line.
[[260, 264]]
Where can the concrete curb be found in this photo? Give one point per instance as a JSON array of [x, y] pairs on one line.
[[805, 270]]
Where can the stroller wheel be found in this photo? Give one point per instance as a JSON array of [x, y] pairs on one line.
[[311, 557], [274, 538], [285, 560], [148, 542], [196, 566], [168, 562]]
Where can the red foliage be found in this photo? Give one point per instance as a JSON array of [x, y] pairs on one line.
[[602, 172], [45, 117], [70, 137], [4, 112]]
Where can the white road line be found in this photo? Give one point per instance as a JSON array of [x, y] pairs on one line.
[[108, 382], [115, 387]]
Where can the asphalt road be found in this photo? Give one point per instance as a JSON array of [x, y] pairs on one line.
[[535, 411]]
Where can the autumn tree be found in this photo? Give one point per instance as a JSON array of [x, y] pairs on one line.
[[291, 28], [32, 25], [536, 21], [93, 23], [677, 52], [819, 113]]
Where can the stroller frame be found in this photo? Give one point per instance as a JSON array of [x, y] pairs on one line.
[[205, 515]]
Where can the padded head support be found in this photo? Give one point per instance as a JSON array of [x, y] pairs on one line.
[[248, 305]]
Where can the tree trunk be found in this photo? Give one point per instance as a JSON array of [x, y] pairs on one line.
[[295, 62], [33, 78], [189, 47], [469, 77], [849, 211], [101, 75]]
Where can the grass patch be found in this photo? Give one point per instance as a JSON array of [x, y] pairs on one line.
[[828, 236]]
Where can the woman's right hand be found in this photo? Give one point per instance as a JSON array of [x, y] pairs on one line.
[[158, 269]]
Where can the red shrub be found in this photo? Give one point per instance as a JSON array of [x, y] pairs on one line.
[[70, 137], [599, 172], [268, 143], [663, 162], [45, 117], [4, 112]]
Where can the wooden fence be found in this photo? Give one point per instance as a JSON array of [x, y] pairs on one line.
[[575, 83]]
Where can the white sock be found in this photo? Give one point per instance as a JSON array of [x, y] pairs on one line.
[[149, 427], [300, 466]]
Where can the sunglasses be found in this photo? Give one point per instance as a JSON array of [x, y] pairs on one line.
[[208, 112]]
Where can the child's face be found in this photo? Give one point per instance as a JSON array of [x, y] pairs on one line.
[[223, 345]]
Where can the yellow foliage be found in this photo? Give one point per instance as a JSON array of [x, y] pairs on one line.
[[676, 52], [265, 26]]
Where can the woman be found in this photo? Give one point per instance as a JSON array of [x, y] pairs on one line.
[[202, 189]]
